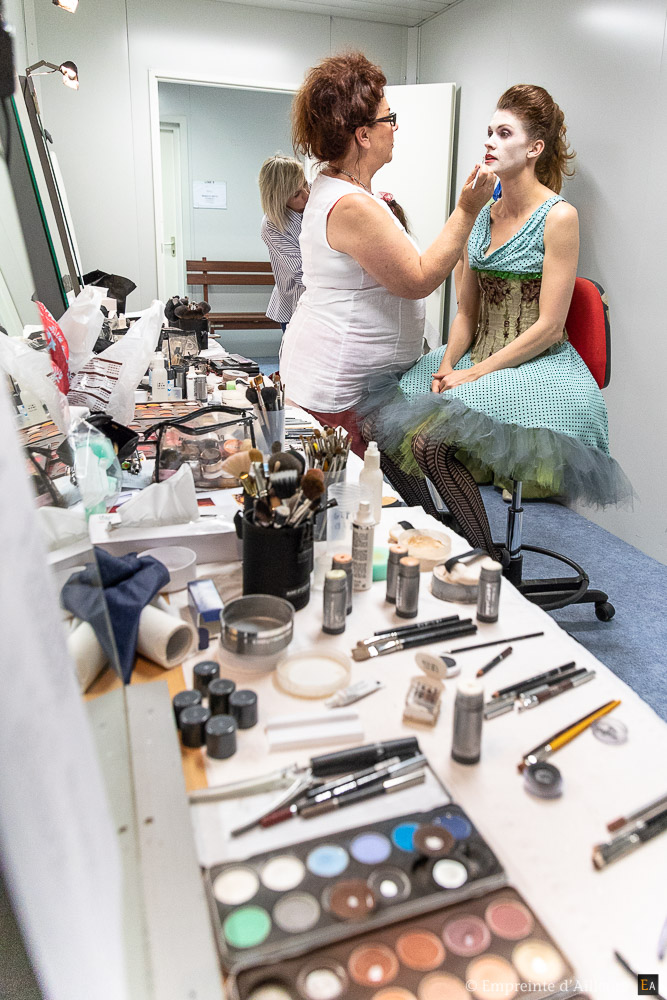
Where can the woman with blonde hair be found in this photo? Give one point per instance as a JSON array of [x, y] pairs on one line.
[[283, 191]]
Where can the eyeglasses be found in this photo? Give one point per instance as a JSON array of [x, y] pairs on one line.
[[390, 119]]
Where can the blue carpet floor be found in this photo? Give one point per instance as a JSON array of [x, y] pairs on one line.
[[634, 643]]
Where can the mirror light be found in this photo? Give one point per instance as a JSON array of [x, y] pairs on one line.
[[68, 69], [69, 5]]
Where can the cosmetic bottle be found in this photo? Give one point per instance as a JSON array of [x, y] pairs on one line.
[[407, 587], [396, 553], [371, 477], [335, 601], [488, 592], [158, 379], [343, 561], [468, 717], [363, 531]]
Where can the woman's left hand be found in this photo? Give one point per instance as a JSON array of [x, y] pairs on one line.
[[454, 378]]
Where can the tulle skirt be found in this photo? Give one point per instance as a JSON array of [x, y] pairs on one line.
[[543, 422]]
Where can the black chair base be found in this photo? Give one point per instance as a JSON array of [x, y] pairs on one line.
[[558, 592]]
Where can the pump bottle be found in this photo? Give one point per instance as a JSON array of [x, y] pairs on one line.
[[363, 531]]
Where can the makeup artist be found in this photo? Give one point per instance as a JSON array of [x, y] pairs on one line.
[[283, 190], [363, 309]]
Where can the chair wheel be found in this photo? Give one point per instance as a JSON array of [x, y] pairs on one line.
[[605, 612]]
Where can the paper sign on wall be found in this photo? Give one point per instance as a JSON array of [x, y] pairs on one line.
[[209, 194]]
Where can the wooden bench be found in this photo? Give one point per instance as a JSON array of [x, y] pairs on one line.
[[232, 272]]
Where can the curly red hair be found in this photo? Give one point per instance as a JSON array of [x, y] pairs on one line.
[[338, 96]]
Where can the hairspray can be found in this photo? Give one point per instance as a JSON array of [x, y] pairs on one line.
[[488, 592], [468, 717], [363, 530], [396, 553], [407, 587], [335, 601], [344, 561]]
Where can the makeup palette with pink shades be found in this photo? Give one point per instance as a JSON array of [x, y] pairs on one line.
[[488, 947], [281, 903]]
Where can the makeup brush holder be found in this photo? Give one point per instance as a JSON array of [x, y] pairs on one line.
[[277, 561], [269, 427]]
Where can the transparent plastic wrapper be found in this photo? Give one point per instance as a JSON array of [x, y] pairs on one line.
[[106, 383], [97, 469], [81, 324], [33, 371]]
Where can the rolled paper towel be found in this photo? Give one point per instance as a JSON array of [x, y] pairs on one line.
[[164, 638], [88, 656]]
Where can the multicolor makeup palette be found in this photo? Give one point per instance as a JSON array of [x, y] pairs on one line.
[[282, 903], [488, 947]]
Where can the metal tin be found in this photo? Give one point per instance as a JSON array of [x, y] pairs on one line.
[[200, 391], [468, 718], [407, 587], [257, 625], [396, 553], [488, 593], [335, 602]]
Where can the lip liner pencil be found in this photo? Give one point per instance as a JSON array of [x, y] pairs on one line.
[[494, 662], [520, 686], [638, 814], [618, 847], [529, 700], [496, 642], [564, 736]]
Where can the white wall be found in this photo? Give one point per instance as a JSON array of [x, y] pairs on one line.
[[102, 131], [604, 64]]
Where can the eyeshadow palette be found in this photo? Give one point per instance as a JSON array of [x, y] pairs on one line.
[[488, 947], [284, 902]]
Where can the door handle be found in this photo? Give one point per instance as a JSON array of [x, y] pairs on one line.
[[172, 245]]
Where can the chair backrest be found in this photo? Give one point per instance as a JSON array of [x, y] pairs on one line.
[[588, 328]]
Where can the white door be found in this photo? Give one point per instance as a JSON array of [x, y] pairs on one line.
[[173, 258], [419, 175]]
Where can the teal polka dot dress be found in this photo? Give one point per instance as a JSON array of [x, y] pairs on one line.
[[544, 421]]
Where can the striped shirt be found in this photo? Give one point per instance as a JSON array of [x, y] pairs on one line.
[[285, 255]]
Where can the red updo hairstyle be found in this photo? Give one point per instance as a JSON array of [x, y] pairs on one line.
[[338, 96], [542, 119]]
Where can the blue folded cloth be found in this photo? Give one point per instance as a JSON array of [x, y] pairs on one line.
[[128, 584]]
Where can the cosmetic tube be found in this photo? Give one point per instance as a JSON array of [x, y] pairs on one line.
[[468, 718]]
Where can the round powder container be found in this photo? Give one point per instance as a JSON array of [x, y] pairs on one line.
[[243, 707], [219, 691], [192, 722], [220, 732], [543, 780], [314, 673], [182, 700], [203, 673]]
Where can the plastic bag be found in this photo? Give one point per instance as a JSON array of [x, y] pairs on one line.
[[98, 472], [33, 371], [106, 383], [82, 324]]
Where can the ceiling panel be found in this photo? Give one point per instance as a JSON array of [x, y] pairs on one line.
[[406, 12]]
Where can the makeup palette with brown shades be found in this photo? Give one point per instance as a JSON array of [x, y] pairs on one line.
[[488, 947], [282, 903]]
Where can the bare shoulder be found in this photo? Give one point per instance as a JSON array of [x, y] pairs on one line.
[[358, 205], [562, 226]]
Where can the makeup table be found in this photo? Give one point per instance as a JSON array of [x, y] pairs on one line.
[[544, 845]]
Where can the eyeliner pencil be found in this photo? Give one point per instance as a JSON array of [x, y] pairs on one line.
[[416, 627], [494, 662], [496, 642], [520, 686]]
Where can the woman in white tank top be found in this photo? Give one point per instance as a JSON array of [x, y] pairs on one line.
[[362, 312]]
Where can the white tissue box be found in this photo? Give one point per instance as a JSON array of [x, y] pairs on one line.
[[212, 538]]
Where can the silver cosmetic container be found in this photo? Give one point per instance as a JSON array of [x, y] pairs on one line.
[[257, 625]]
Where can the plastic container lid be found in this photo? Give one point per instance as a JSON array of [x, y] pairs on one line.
[[314, 673]]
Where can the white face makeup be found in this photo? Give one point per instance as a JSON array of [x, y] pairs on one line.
[[507, 145]]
